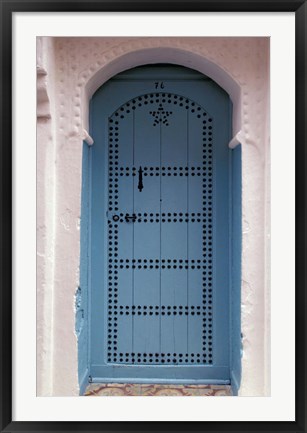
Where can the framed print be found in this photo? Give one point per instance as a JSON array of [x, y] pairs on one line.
[[153, 215]]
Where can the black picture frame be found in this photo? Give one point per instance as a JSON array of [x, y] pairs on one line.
[[7, 8]]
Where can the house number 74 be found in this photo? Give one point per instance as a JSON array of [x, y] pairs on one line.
[[159, 85]]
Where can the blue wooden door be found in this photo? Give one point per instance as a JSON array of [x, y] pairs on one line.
[[160, 228]]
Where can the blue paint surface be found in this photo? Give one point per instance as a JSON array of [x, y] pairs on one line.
[[160, 286], [236, 234], [81, 297]]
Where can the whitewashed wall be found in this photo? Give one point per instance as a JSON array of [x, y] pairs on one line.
[[69, 70]]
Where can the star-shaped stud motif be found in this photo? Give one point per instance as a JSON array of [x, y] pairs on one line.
[[160, 116]]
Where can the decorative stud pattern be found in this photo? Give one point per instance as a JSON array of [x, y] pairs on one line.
[[116, 264], [160, 264], [156, 358], [113, 234], [163, 171], [156, 310], [207, 238], [170, 217], [160, 116]]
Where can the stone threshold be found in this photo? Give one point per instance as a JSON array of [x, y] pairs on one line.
[[151, 390]]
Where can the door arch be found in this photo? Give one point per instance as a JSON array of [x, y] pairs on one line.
[[161, 224]]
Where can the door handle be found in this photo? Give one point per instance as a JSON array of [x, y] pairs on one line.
[[140, 185], [129, 218]]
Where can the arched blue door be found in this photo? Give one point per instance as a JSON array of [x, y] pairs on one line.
[[160, 228]]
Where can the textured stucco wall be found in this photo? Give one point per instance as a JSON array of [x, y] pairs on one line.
[[46, 178], [69, 71]]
